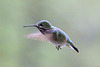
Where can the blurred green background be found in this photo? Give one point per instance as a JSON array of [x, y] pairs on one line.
[[80, 19]]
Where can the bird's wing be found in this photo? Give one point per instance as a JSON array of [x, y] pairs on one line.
[[36, 36]]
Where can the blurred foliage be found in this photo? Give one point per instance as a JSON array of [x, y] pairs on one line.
[[80, 19]]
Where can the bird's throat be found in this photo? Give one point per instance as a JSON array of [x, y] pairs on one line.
[[43, 30]]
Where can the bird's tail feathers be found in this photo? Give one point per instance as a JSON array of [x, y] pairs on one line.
[[71, 45]]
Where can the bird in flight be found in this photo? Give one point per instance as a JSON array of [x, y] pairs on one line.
[[54, 35]]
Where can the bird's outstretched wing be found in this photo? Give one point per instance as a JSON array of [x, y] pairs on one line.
[[36, 36]]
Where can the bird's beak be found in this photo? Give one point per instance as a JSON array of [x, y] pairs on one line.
[[31, 26]]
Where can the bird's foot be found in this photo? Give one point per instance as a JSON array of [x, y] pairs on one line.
[[58, 47]]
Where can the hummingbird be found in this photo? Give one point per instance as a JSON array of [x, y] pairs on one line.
[[54, 35]]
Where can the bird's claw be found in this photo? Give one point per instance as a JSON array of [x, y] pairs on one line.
[[58, 47]]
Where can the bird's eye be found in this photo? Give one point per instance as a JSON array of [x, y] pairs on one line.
[[41, 24]]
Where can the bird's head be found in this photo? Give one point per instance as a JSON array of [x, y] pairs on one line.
[[44, 24]]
